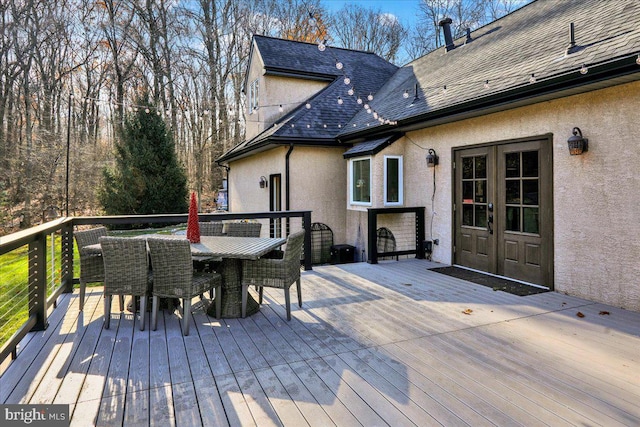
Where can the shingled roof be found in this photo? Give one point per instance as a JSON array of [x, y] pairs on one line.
[[493, 70], [320, 124], [490, 72]]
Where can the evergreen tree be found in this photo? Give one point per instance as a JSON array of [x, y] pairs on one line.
[[147, 178]]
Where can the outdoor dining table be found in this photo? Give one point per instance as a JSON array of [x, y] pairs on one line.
[[230, 251]]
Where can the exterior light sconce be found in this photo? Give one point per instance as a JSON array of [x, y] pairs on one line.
[[432, 158], [577, 144], [263, 182]]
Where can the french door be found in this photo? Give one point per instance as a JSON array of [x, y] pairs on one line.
[[503, 213]]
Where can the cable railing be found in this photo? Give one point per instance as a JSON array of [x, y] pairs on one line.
[[39, 264], [417, 236]]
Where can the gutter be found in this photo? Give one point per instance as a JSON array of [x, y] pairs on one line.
[[308, 75], [282, 140]]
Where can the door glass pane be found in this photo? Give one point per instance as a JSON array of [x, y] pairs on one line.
[[481, 191], [530, 191], [512, 162], [467, 192], [481, 167], [467, 215], [481, 216], [513, 191], [530, 163], [467, 168], [512, 219], [530, 220]]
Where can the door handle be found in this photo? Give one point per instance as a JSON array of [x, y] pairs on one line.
[[490, 224]]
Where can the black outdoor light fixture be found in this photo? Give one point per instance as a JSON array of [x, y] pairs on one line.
[[263, 182], [432, 158], [577, 143]]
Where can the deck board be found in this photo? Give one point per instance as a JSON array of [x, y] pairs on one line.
[[384, 344]]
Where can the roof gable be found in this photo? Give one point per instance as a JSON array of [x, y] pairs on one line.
[[326, 118]]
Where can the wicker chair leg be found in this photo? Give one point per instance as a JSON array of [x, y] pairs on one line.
[[83, 291], [154, 312], [186, 313], [299, 289], [245, 291], [107, 311], [287, 301], [143, 310], [218, 301], [121, 298], [260, 295]]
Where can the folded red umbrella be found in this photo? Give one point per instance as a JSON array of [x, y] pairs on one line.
[[193, 227]]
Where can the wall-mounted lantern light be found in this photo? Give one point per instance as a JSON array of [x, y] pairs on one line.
[[577, 144], [432, 158], [263, 182]]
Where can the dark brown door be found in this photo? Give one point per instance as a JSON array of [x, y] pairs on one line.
[[275, 204], [503, 210]]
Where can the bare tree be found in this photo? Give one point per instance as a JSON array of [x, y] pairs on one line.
[[9, 74], [117, 17], [498, 8], [356, 27]]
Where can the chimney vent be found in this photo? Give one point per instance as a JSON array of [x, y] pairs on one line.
[[572, 40], [446, 28]]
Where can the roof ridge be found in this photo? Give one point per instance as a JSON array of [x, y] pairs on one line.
[[315, 44]]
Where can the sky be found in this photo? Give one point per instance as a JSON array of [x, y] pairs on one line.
[[407, 11]]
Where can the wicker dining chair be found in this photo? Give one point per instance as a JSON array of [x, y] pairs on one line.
[[174, 277], [211, 228], [243, 229], [275, 273], [208, 228], [91, 264], [126, 272]]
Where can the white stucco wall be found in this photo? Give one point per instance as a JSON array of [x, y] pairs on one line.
[[596, 210], [318, 183], [274, 91]]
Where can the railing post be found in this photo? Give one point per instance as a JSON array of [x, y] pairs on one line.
[[306, 223], [372, 226], [420, 233], [66, 255], [38, 281]]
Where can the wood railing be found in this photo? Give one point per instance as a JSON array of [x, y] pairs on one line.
[[38, 255]]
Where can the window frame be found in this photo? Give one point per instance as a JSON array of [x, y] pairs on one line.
[[351, 181], [400, 201], [253, 96]]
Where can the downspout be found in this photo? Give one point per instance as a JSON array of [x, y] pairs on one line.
[[287, 198], [228, 169]]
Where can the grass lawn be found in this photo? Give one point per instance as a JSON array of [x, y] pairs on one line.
[[14, 279]]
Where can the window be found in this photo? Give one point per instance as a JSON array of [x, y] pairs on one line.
[[393, 194], [360, 171], [253, 96]]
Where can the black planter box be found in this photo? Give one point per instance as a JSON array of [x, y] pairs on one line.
[[342, 254]]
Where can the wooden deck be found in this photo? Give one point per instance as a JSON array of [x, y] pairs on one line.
[[384, 344]]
